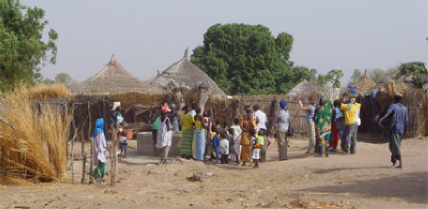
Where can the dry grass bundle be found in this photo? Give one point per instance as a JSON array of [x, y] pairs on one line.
[[43, 91], [36, 149], [130, 98]]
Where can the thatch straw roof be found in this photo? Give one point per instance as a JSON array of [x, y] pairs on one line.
[[114, 79], [365, 83], [185, 73], [303, 89]]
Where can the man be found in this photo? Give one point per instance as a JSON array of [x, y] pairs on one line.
[[396, 132], [262, 120], [155, 126], [310, 113], [282, 119]]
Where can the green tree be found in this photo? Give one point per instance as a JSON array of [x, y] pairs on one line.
[[48, 81], [356, 76], [414, 69], [334, 77], [378, 75], [323, 80], [246, 59], [22, 50]]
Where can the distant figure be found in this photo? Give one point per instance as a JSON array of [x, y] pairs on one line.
[[350, 110], [247, 123], [116, 124], [282, 119], [224, 148], [186, 150], [164, 135], [261, 124], [155, 126], [173, 116], [123, 145], [215, 141], [192, 110], [401, 116], [100, 146], [236, 134], [257, 140], [208, 130], [310, 113], [233, 153], [199, 135], [337, 114], [323, 122]]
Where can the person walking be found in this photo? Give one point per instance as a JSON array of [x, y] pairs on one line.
[[247, 123], [323, 121], [401, 116], [155, 126], [310, 113], [100, 146], [282, 119], [337, 114]]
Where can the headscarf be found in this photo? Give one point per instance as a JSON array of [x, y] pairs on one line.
[[173, 105], [99, 127], [248, 108], [324, 116], [283, 104]]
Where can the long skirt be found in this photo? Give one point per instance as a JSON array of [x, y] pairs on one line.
[[187, 142], [245, 153], [334, 140], [351, 138], [323, 143], [101, 172], [200, 144]]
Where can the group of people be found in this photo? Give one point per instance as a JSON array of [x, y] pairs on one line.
[[247, 139]]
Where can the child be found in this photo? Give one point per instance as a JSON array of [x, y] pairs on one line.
[[232, 148], [100, 145], [257, 142], [215, 141], [224, 148], [123, 145], [236, 138]]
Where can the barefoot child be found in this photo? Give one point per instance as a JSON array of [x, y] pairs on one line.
[[233, 153], [257, 142], [215, 142], [224, 148], [123, 144]]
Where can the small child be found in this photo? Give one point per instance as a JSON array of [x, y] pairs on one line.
[[232, 148], [257, 142], [224, 148], [215, 142], [123, 145]]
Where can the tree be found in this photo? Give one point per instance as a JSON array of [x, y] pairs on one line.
[[246, 59], [323, 80], [414, 69], [21, 47], [377, 75], [334, 77], [66, 79], [356, 76], [48, 81]]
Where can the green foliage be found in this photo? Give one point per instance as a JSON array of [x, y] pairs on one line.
[[378, 75], [66, 79], [356, 76], [247, 59], [48, 81], [414, 69], [334, 77], [21, 47]]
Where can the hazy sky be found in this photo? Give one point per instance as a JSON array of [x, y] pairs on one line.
[[147, 36]]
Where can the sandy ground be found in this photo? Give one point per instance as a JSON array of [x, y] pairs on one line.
[[364, 180]]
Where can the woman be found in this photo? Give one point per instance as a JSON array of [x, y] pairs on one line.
[[186, 150], [100, 146], [351, 127], [247, 123], [282, 118], [164, 135], [334, 141], [323, 121], [199, 135]]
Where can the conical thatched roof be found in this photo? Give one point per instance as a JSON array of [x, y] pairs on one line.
[[185, 73], [365, 83], [114, 79], [303, 89]]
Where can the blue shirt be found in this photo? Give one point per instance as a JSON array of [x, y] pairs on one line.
[[310, 114], [401, 117]]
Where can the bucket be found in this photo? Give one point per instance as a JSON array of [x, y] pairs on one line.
[[129, 133]]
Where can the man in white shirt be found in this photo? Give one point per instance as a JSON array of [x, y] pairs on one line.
[[262, 120]]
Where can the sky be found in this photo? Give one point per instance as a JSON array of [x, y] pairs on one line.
[[147, 36]]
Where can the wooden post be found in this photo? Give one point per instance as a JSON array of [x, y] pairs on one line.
[[113, 155], [83, 158], [72, 150]]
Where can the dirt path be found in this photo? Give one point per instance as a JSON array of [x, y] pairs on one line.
[[364, 180]]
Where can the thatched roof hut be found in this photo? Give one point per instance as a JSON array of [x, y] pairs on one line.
[[114, 79], [302, 90], [185, 73], [365, 83]]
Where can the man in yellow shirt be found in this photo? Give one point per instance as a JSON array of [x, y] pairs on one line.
[[350, 110]]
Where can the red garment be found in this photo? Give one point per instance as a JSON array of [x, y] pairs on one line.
[[334, 142]]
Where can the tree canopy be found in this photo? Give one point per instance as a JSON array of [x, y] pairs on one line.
[[414, 69], [248, 59], [22, 50]]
